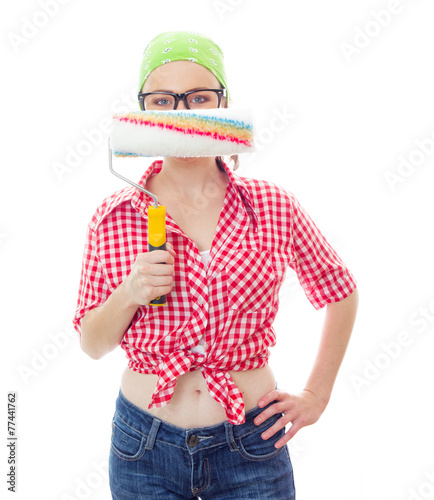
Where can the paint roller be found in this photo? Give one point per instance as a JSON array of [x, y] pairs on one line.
[[179, 133]]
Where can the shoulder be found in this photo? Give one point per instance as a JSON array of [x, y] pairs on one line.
[[110, 204], [266, 192]]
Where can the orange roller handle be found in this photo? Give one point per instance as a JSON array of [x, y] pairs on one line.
[[157, 239]]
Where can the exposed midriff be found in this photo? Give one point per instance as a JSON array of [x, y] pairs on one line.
[[191, 404]]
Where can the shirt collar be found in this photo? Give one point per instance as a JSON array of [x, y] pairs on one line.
[[142, 200]]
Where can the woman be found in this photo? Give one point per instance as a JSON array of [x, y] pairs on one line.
[[198, 413]]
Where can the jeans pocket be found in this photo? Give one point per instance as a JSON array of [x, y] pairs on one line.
[[253, 447], [126, 442]]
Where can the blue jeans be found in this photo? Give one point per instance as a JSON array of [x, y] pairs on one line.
[[153, 459]]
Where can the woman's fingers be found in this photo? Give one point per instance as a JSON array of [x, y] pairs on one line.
[[270, 396], [169, 248], [280, 396], [277, 426], [295, 427], [298, 409]]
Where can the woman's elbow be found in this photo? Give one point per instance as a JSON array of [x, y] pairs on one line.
[[90, 341], [92, 350]]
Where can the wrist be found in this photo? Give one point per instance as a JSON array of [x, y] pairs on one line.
[[323, 398], [126, 297]]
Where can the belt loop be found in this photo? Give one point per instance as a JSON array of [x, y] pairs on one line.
[[230, 436], [153, 434]]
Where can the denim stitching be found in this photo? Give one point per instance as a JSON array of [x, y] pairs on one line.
[[198, 429], [123, 456], [252, 458], [131, 427], [129, 459], [198, 490], [262, 426], [153, 434]]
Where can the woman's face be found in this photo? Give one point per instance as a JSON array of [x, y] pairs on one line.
[[180, 77]]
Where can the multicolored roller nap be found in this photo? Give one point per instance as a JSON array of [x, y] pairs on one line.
[[183, 133]]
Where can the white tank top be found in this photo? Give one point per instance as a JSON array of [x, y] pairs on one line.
[[199, 348], [205, 257]]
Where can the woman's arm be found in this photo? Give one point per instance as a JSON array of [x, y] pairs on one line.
[[337, 328], [103, 327], [306, 407]]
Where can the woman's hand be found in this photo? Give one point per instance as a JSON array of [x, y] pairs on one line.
[[151, 276], [301, 409]]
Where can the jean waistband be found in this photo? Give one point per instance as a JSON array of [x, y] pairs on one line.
[[151, 428]]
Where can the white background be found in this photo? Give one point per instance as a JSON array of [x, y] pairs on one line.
[[354, 117]]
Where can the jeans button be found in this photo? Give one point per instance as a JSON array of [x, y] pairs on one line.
[[193, 440]]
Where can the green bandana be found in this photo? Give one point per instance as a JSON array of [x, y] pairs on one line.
[[183, 46]]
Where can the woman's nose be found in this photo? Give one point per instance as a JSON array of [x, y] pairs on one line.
[[181, 104]]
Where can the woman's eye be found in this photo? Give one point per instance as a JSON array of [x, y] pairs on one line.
[[198, 99], [162, 102]]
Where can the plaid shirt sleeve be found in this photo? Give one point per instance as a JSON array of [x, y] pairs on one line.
[[320, 271], [93, 289]]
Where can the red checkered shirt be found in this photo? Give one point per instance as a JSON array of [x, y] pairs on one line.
[[233, 302]]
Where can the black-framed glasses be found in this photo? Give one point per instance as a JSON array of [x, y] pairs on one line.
[[193, 99]]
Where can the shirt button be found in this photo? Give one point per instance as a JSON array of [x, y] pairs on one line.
[[193, 440]]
